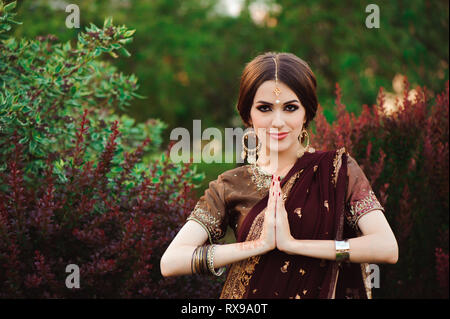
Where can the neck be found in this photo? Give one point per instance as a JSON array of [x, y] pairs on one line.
[[279, 163]]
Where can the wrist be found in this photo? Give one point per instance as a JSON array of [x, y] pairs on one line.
[[264, 246], [255, 247], [288, 246]]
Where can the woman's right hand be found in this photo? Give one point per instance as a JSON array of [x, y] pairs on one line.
[[267, 237]]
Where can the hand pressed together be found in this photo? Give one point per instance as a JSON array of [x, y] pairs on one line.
[[276, 231]]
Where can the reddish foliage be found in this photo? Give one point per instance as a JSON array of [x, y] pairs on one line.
[[405, 157], [114, 232]]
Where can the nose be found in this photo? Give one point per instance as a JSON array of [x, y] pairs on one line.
[[278, 121]]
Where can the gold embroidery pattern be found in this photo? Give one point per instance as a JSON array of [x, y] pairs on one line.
[[298, 211], [285, 267], [209, 222], [241, 272], [337, 162], [287, 187], [365, 270], [362, 207], [260, 178]]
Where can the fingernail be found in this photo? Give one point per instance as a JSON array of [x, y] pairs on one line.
[[279, 178], [273, 183], [279, 193]]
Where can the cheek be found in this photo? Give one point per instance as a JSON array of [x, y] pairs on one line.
[[296, 122], [258, 119]]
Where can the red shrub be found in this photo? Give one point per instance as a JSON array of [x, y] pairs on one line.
[[115, 232], [405, 157]]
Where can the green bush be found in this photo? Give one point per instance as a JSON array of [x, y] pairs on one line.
[[73, 186]]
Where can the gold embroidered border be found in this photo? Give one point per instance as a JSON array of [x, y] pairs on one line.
[[365, 270], [337, 162], [260, 178], [287, 187], [207, 221], [242, 271], [362, 207]]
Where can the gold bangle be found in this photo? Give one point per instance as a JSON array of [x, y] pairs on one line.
[[192, 261], [203, 259], [199, 259], [195, 259], [211, 251]]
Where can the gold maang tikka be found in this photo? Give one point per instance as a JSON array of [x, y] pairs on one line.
[[277, 90]]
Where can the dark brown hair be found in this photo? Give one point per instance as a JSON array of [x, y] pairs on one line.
[[292, 71]]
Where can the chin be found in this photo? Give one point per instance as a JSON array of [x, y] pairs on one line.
[[280, 148]]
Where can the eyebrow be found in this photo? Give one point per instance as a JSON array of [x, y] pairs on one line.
[[264, 102]]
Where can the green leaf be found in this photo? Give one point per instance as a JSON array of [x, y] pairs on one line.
[[125, 41], [124, 52], [108, 22], [32, 147], [114, 55], [129, 33], [24, 140], [198, 177], [9, 7]]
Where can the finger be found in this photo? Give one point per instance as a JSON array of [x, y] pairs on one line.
[[271, 199], [273, 195], [277, 191], [277, 188], [280, 193], [271, 190], [279, 197]]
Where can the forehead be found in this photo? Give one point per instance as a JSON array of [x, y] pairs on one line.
[[265, 92]]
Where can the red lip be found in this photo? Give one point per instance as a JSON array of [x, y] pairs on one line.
[[278, 136]]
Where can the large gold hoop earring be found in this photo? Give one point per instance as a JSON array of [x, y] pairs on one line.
[[251, 152], [303, 149]]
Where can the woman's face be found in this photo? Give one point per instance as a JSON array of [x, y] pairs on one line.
[[278, 114]]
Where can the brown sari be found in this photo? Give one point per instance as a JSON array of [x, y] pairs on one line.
[[317, 203]]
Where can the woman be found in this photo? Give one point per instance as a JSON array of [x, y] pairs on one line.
[[307, 222]]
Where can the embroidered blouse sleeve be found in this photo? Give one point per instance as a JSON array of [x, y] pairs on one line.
[[360, 197], [211, 210]]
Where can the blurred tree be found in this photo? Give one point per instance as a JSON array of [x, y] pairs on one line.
[[188, 55]]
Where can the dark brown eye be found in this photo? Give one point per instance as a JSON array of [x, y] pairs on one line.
[[263, 108], [291, 107]]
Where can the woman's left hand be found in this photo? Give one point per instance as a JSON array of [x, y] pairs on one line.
[[283, 232]]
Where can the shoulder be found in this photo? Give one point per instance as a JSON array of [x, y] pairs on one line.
[[237, 172], [338, 152], [232, 176], [333, 156]]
